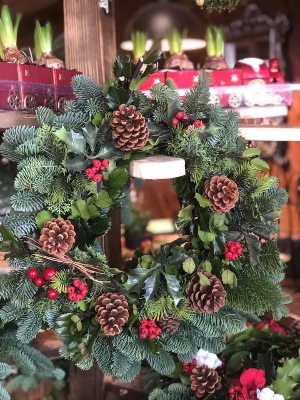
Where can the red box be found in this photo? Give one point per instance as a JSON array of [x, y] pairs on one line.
[[156, 77], [9, 87], [184, 80], [62, 82]]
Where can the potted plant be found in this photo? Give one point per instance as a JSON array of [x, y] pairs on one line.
[[136, 232], [43, 46], [177, 59], [214, 46]]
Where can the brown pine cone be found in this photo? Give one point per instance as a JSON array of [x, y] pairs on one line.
[[130, 129], [169, 324], [209, 298], [57, 236], [293, 330], [204, 380], [222, 192], [112, 312]]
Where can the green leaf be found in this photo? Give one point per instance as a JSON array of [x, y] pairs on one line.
[[100, 226], [103, 199], [97, 119], [90, 133], [235, 362], [173, 286], [251, 152], [76, 163], [189, 265], [177, 258], [204, 280], [206, 266], [41, 217], [7, 235], [80, 209], [234, 236], [254, 246], [75, 141], [136, 279], [108, 150], [206, 237], [118, 178], [152, 285], [259, 164], [229, 278], [108, 83], [116, 97], [137, 82], [123, 66], [186, 213], [152, 57], [202, 201]]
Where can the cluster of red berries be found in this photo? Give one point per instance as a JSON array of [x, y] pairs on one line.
[[77, 291], [184, 118], [233, 250], [188, 366], [148, 328], [39, 280], [235, 392], [93, 172]]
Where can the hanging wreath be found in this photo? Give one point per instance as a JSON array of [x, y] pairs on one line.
[[168, 304]]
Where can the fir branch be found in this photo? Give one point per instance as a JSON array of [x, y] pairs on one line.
[[197, 98], [26, 201]]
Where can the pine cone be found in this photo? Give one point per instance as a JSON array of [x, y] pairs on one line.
[[222, 192], [130, 129], [57, 236], [169, 324], [294, 330], [204, 380], [209, 298], [112, 312]]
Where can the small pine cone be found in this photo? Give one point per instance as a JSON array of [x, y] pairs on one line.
[[208, 298], [130, 129], [169, 324], [222, 192], [57, 236], [112, 312], [204, 380], [293, 330]]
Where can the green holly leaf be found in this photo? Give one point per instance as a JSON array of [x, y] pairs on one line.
[[251, 152], [146, 261], [254, 246], [151, 286], [118, 178], [206, 266], [206, 237], [177, 258], [100, 226], [259, 164], [98, 118], [136, 279], [234, 236], [235, 362], [173, 287], [116, 96], [204, 280], [103, 199], [189, 265], [76, 163], [75, 141], [123, 66], [108, 150], [203, 202], [79, 209], [137, 82], [40, 218], [186, 212], [152, 57], [259, 229], [229, 278], [90, 133]]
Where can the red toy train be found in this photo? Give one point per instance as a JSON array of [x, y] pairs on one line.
[[24, 87]]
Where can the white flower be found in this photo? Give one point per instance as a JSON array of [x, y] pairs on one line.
[[209, 359], [268, 394]]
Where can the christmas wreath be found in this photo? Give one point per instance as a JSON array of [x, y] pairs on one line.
[[73, 169]]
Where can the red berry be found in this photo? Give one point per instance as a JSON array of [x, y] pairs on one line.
[[72, 296], [97, 178], [105, 162], [231, 390], [198, 123], [32, 273], [49, 273], [95, 170], [185, 117], [175, 121], [71, 289], [179, 115], [39, 281], [52, 294], [97, 164], [89, 172], [76, 282]]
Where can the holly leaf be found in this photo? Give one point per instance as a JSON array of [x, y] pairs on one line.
[[90, 133], [251, 152], [100, 226], [204, 280], [234, 236], [206, 266], [258, 229], [173, 287], [177, 258], [186, 212], [203, 202], [152, 57], [254, 246], [136, 279], [79, 209], [151, 286], [206, 237], [116, 96], [122, 66], [108, 150], [75, 141], [40, 218], [229, 278], [76, 163], [235, 362], [259, 164], [103, 199], [137, 82], [189, 265], [118, 178]]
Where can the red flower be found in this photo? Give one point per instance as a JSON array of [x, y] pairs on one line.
[[251, 380]]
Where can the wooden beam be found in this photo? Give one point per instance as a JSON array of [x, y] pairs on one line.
[[90, 38]]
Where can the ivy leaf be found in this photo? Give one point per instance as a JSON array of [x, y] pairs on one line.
[[41, 217], [90, 133], [136, 279], [204, 280], [203, 202], [173, 286], [77, 163], [151, 286], [177, 258], [116, 96], [103, 199], [118, 178], [254, 246], [75, 141], [189, 265], [259, 164], [251, 152], [186, 213]]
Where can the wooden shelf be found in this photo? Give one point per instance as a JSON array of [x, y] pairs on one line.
[[16, 118], [280, 133], [262, 112]]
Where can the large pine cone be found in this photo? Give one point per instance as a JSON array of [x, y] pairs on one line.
[[57, 236], [294, 330], [130, 129], [222, 192], [209, 298], [112, 312], [204, 380], [169, 324]]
